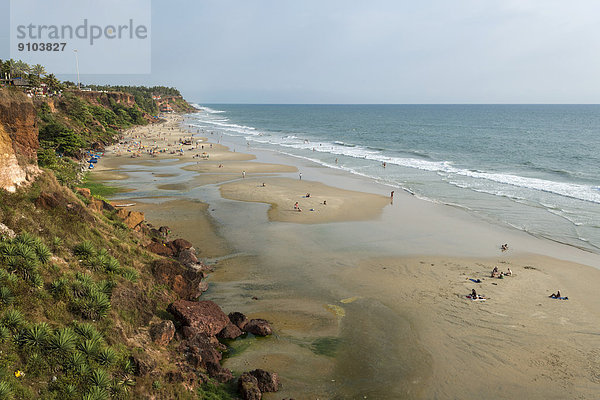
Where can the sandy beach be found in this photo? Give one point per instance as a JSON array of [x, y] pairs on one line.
[[356, 316]]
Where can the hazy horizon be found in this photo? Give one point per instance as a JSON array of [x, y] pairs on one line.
[[384, 52]]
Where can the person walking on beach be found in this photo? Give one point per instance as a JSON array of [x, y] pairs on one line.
[[392, 195], [300, 175], [243, 174]]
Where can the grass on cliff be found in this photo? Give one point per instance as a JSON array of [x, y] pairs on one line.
[[65, 281]]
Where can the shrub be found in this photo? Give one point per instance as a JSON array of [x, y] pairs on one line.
[[85, 250], [6, 296], [37, 337], [106, 357], [13, 319], [6, 392], [130, 274], [62, 343], [99, 378]]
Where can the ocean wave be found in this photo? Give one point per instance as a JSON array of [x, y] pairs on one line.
[[208, 109], [445, 168]]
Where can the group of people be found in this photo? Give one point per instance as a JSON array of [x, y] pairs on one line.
[[497, 274]]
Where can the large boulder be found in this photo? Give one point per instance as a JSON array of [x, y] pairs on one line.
[[248, 387], [162, 332], [203, 316], [231, 331], [188, 257], [143, 363], [185, 282], [179, 245], [258, 327], [267, 381], [238, 319], [131, 218], [160, 249]]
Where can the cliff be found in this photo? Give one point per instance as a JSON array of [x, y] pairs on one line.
[[104, 98], [18, 139]]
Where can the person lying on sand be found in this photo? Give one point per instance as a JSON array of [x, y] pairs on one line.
[[556, 296]]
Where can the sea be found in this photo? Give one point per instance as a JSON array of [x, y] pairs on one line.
[[532, 167]]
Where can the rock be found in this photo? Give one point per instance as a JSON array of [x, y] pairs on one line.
[[143, 363], [131, 218], [161, 333], [231, 331], [185, 282], [85, 192], [6, 231], [267, 381], [188, 257], [48, 200], [216, 371], [248, 387], [164, 231], [205, 316], [160, 249], [258, 327], [238, 319], [179, 244], [100, 205]]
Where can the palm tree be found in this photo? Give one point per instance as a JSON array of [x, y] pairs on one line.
[[38, 70], [54, 84], [21, 68]]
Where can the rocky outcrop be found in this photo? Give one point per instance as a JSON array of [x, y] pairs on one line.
[[248, 387], [238, 319], [258, 327], [162, 332], [132, 219], [18, 140], [202, 316], [105, 98], [267, 381], [185, 282], [230, 332]]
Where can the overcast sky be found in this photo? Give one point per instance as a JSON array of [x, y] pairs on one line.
[[376, 51]]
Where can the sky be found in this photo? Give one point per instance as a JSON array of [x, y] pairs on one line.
[[376, 51]]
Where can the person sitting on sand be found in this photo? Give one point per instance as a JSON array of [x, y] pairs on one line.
[[324, 202], [504, 247], [263, 185], [509, 272], [307, 195], [473, 294], [296, 206], [495, 272]]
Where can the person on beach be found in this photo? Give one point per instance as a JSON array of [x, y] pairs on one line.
[[263, 185], [243, 174], [556, 296], [473, 294], [392, 195], [300, 175], [324, 202], [509, 272], [307, 195], [495, 272], [296, 206], [384, 164]]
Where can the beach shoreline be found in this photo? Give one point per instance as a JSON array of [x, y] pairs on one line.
[[404, 266]]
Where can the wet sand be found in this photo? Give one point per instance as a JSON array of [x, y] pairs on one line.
[[373, 305]]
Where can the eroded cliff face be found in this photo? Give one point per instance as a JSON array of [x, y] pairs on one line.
[[103, 98], [18, 140]]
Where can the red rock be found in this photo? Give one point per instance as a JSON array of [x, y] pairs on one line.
[[267, 381], [238, 319], [248, 387], [185, 282], [160, 249], [205, 316], [258, 327], [179, 244], [231, 331], [162, 333]]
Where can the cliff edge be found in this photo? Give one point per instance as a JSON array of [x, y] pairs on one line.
[[18, 139]]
